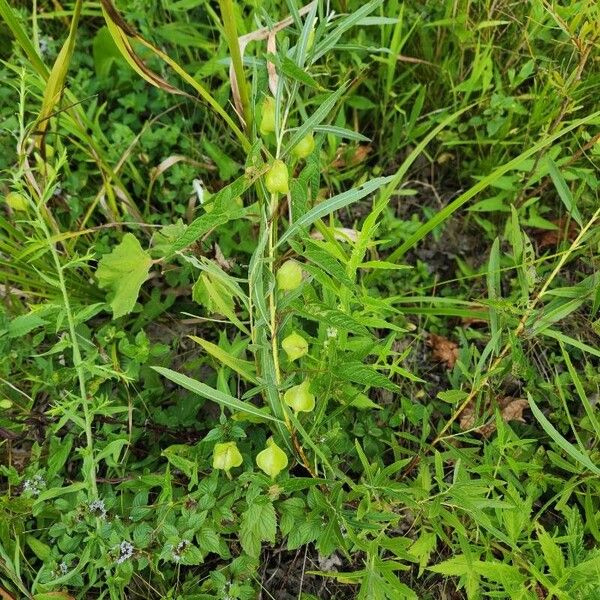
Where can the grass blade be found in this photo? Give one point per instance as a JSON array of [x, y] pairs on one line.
[[447, 211], [563, 191], [559, 439], [316, 118], [334, 203], [212, 394], [58, 74]]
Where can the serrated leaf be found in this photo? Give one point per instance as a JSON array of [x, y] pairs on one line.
[[357, 372], [455, 566], [23, 324], [331, 317], [259, 524], [123, 272], [552, 552], [191, 556], [329, 264], [208, 540]]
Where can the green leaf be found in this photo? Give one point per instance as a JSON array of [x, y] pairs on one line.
[[342, 133], [11, 17], [58, 454], [191, 556], [23, 324], [552, 552], [259, 524], [213, 292], [290, 69], [56, 80], [333, 204], [559, 439], [316, 118], [357, 372], [481, 185], [123, 272], [455, 566], [452, 396], [212, 394], [208, 540], [41, 550], [332, 317], [242, 367], [507, 575], [563, 190]]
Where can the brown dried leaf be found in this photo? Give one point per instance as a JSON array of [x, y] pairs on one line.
[[565, 230], [122, 34], [511, 409], [341, 234], [443, 350], [359, 155], [271, 70], [225, 264], [468, 321], [467, 417]]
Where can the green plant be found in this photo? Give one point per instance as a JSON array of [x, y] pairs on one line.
[[342, 341]]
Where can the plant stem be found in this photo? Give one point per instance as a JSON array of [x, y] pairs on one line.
[[272, 301], [227, 13], [77, 360]]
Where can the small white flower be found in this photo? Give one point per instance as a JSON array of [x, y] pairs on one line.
[[34, 486], [125, 551], [332, 332], [63, 568], [97, 508], [45, 45], [180, 549]]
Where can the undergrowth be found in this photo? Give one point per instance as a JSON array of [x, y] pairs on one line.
[[299, 301]]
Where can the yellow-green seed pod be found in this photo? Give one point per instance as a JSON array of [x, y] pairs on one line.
[[17, 201], [267, 122], [289, 275], [295, 346], [305, 146], [299, 398], [272, 460], [276, 178], [226, 456]]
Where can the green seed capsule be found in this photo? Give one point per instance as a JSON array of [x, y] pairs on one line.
[[276, 178], [272, 460], [17, 201], [295, 346], [299, 398], [305, 146], [289, 275], [226, 456], [267, 122]]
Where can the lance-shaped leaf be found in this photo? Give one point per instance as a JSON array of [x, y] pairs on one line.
[[215, 395], [56, 79]]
